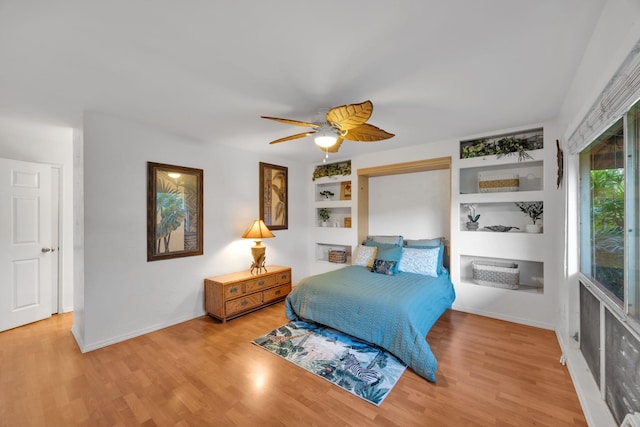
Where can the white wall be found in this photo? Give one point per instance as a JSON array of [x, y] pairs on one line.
[[126, 296], [38, 143], [414, 205]]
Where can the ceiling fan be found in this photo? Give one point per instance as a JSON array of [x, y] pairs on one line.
[[343, 122]]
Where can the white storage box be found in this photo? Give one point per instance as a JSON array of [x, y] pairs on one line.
[[496, 274]]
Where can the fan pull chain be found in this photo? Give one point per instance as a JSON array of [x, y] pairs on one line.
[[326, 155]]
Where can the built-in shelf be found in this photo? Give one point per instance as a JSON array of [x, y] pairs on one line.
[[333, 189], [529, 173], [322, 252], [531, 273], [338, 233], [339, 217], [492, 185], [504, 213]]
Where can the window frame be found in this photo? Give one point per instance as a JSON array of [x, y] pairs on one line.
[[620, 308]]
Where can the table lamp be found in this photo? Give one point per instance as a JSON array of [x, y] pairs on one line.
[[258, 231]]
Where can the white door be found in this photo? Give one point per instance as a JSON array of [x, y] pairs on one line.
[[25, 243]]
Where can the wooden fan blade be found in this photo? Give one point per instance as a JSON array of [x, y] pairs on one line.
[[367, 133], [334, 148], [292, 137], [292, 122], [349, 116]]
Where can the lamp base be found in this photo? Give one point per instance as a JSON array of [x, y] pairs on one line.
[[258, 268], [259, 257]]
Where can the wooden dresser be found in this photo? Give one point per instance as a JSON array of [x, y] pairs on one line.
[[232, 295]]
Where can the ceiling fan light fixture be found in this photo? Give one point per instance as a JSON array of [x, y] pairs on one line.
[[344, 122], [325, 138]]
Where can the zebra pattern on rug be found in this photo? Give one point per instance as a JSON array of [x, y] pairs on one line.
[[358, 367]]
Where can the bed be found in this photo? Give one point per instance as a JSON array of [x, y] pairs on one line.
[[394, 311]]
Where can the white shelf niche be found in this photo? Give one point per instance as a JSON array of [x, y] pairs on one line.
[[337, 217], [531, 273], [340, 189], [322, 252], [499, 213], [530, 174]]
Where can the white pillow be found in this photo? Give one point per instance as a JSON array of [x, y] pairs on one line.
[[420, 261], [365, 255]]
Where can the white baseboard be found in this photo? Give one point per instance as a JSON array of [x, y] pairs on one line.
[[86, 347], [498, 316], [594, 407], [77, 337]]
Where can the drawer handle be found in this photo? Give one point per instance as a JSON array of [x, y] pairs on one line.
[[278, 292], [243, 303], [261, 282], [284, 276], [233, 290]]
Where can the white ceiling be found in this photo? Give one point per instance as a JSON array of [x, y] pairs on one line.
[[207, 69]]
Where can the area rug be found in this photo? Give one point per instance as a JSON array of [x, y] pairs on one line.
[[358, 367]]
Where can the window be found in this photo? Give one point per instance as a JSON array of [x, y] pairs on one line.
[[633, 218], [609, 209]]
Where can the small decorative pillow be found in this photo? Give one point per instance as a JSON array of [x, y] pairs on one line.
[[383, 267], [393, 253], [420, 261], [365, 255]]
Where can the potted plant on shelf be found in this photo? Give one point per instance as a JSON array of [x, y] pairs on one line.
[[534, 211], [472, 224], [324, 214]]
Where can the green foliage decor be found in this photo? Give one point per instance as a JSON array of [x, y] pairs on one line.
[[324, 214], [607, 225], [505, 146], [332, 169], [172, 213], [532, 209]]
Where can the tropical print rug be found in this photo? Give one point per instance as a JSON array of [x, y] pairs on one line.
[[354, 365]]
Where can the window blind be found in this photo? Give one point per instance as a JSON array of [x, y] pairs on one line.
[[622, 91]]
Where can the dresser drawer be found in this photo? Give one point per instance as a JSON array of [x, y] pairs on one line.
[[283, 277], [231, 295], [260, 283], [234, 290], [276, 293], [242, 304]]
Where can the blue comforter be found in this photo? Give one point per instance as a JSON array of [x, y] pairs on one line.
[[394, 312]]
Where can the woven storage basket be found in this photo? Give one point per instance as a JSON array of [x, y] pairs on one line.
[[492, 183], [339, 257], [497, 274]]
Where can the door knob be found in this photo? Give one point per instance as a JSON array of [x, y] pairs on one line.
[[45, 250]]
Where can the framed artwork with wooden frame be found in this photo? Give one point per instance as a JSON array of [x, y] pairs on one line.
[[174, 211], [274, 197], [345, 190]]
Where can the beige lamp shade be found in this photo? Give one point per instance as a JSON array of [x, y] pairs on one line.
[[258, 231]]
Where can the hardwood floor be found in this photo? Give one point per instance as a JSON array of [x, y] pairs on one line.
[[203, 372]]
